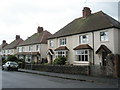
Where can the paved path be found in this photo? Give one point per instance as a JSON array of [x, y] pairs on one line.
[[101, 80]]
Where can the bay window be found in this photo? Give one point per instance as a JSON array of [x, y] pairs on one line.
[[82, 55], [61, 54]]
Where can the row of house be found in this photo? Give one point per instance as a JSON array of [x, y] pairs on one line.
[[84, 41]]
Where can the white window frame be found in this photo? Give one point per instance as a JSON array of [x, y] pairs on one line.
[[8, 51], [37, 47], [83, 40], [62, 41], [63, 53], [30, 48], [51, 42], [104, 37], [23, 49], [82, 53], [11, 51]]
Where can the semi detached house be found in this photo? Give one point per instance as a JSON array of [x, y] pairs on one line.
[[86, 40], [34, 48]]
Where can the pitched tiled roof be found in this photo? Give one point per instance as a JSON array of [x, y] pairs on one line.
[[13, 44], [3, 45], [51, 51], [37, 38], [93, 22], [61, 48], [83, 46], [103, 48]]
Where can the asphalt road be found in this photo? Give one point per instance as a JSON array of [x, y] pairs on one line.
[[12, 79]]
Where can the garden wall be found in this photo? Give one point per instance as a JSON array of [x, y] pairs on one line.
[[69, 69], [112, 69]]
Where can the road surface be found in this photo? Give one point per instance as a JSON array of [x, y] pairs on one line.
[[13, 79]]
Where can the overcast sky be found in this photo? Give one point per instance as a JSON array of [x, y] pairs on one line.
[[22, 17]]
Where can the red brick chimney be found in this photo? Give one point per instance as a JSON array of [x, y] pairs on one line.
[[4, 41], [17, 37], [39, 29], [86, 12]]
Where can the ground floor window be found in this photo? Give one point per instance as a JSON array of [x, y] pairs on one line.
[[82, 55], [61, 54], [28, 58]]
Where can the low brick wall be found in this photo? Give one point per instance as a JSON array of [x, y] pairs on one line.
[[61, 69], [112, 68]]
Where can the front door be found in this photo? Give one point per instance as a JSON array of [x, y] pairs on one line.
[[51, 58], [104, 55]]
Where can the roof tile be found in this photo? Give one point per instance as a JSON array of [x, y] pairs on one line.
[[93, 22]]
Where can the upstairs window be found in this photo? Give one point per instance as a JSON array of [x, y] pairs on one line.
[[11, 51], [30, 48], [37, 47], [103, 36], [3, 51], [19, 49], [83, 39], [63, 42], [8, 51], [51, 43], [23, 49]]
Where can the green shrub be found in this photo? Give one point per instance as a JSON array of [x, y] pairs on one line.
[[60, 61], [4, 61], [12, 58]]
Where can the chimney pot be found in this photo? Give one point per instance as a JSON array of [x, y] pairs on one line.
[[17, 37], [39, 29], [86, 12], [4, 41]]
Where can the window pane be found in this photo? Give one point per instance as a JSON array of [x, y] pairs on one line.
[[104, 36], [63, 41], [83, 39], [86, 52], [86, 57], [82, 58], [79, 57]]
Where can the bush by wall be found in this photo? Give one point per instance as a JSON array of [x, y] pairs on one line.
[[60, 61], [12, 58]]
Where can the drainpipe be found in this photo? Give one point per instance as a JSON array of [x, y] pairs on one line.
[[40, 53], [93, 47]]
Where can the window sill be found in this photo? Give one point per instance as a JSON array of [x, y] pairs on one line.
[[83, 43], [104, 41], [63, 45], [82, 62]]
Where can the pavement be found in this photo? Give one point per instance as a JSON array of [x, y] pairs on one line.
[[92, 79]]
